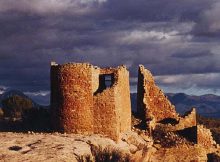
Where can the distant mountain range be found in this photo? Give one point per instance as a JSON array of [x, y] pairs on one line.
[[206, 105]]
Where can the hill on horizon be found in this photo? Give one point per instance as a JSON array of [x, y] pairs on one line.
[[206, 105], [13, 92]]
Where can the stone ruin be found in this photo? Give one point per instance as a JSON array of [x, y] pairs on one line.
[[86, 99], [154, 108], [89, 100]]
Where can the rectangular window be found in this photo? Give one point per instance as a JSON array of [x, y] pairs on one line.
[[108, 80]]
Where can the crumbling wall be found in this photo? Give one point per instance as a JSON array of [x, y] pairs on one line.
[[106, 114], [151, 102], [204, 137], [82, 103], [187, 121], [156, 110], [112, 105]]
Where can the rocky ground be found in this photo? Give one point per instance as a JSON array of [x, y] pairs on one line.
[[136, 146], [20, 147], [56, 147]]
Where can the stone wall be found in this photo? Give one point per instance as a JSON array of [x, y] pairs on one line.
[[112, 106], [82, 103], [106, 112], [73, 101], [204, 137], [156, 110], [187, 121], [151, 102], [123, 101], [86, 99]]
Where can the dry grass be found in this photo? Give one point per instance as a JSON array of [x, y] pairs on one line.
[[107, 154], [85, 158]]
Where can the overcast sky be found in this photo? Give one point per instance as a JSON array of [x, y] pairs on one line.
[[178, 40]]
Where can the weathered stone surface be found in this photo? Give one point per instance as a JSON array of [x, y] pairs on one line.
[[187, 121], [54, 147], [133, 138], [204, 137], [181, 153], [152, 104], [155, 109], [47, 147], [82, 103]]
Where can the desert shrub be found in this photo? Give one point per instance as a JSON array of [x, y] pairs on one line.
[[37, 119], [85, 158], [108, 155], [208, 122], [34, 119], [168, 139]]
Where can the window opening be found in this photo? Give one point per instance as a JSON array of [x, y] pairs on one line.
[[108, 81]]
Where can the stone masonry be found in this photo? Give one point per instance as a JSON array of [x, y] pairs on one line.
[[86, 99], [188, 120], [155, 109], [204, 137], [151, 102]]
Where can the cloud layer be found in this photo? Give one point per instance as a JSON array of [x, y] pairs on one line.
[[174, 39]]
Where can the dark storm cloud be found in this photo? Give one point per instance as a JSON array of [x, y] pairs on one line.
[[155, 10], [192, 54], [189, 83], [209, 22], [210, 80], [166, 36]]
